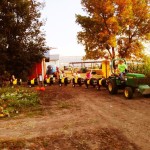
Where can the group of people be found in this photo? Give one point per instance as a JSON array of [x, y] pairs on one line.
[[87, 77], [120, 69], [53, 71], [59, 74]]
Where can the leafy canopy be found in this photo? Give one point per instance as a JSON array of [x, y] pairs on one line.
[[22, 42], [114, 27]]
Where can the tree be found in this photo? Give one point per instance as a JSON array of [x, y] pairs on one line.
[[22, 42], [116, 27]]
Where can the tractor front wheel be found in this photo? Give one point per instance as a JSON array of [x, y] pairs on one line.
[[128, 92]]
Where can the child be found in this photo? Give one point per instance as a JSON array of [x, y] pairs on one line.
[[122, 67], [88, 77], [12, 79], [89, 74], [61, 77], [57, 73], [76, 77], [76, 74]]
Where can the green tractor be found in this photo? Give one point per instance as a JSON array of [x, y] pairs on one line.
[[132, 82]]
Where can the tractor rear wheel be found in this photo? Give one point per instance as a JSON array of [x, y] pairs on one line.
[[128, 92], [112, 88]]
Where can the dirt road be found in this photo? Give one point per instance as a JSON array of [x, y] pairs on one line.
[[79, 118]]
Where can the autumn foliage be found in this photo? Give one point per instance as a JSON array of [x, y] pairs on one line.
[[115, 27]]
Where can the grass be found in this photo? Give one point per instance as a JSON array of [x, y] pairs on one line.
[[16, 100]]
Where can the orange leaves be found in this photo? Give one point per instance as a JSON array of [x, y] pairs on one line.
[[108, 7], [112, 20], [113, 24], [112, 41], [147, 36]]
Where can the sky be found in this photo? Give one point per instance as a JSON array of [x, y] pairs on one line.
[[61, 28]]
